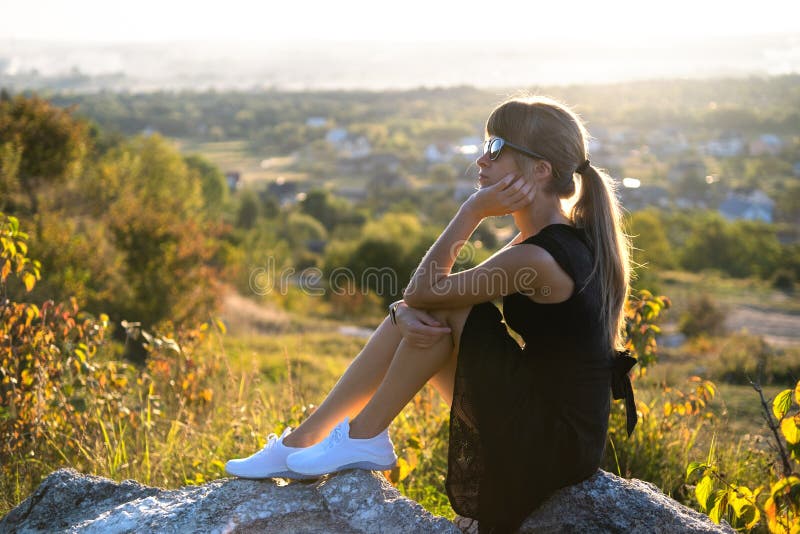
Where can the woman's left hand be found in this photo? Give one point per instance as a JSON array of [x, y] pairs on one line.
[[418, 327], [508, 195]]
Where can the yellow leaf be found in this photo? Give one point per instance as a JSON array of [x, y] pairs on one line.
[[797, 392], [120, 381], [404, 469], [703, 491], [756, 518], [27, 378], [221, 326], [782, 403], [207, 394], [790, 429], [29, 280], [218, 465], [667, 408]]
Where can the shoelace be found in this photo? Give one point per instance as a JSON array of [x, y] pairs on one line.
[[272, 439], [335, 437]]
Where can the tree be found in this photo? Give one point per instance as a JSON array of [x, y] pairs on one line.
[[51, 142], [212, 182], [248, 209], [651, 247], [328, 209]]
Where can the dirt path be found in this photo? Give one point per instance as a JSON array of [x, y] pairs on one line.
[[779, 329], [245, 316]]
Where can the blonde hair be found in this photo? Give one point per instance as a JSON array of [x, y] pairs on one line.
[[553, 130]]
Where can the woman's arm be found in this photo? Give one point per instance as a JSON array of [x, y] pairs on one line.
[[513, 269]]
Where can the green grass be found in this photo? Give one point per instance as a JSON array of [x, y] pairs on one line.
[[236, 156], [261, 383]]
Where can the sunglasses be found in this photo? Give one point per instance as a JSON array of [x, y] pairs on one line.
[[494, 146]]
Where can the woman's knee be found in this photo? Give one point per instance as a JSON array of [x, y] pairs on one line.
[[455, 318], [452, 317]]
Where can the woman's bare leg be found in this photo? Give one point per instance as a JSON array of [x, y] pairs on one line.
[[353, 389], [410, 369]]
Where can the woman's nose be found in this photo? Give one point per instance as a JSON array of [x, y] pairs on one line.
[[483, 161]]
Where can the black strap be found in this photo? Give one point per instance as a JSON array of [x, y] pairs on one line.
[[621, 387]]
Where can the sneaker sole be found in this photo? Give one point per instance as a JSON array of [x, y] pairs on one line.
[[282, 474], [368, 466]]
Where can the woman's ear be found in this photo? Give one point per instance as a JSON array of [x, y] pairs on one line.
[[542, 170]]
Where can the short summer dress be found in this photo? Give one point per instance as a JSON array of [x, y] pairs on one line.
[[528, 420]]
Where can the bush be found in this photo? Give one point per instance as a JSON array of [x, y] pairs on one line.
[[703, 316], [784, 280], [744, 358]]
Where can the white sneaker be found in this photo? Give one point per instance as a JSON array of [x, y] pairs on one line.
[[339, 451], [269, 462]]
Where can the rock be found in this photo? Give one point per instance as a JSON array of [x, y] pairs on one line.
[[349, 502], [608, 503]]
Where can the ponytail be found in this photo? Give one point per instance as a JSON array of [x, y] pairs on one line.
[[598, 212]]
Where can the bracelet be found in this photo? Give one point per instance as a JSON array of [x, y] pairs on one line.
[[393, 311]]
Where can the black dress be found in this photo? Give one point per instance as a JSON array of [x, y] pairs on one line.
[[528, 420]]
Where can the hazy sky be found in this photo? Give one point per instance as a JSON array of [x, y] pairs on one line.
[[302, 20]]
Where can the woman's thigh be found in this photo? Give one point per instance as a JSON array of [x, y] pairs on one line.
[[444, 379]]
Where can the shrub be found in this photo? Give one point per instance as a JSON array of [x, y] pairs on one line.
[[703, 316], [784, 280]]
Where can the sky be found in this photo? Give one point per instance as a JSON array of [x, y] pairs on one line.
[[403, 20]]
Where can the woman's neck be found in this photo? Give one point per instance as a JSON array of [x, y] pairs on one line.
[[542, 212]]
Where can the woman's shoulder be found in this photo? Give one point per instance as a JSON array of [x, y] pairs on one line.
[[568, 245], [561, 233]]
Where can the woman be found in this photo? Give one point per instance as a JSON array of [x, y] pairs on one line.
[[524, 420]]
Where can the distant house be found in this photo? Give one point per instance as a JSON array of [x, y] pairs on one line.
[[316, 122], [667, 141], [766, 145], [470, 146], [438, 153], [727, 145], [233, 179], [348, 146], [336, 136], [752, 206], [285, 192]]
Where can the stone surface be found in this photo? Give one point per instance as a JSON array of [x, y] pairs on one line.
[[350, 502], [608, 503]]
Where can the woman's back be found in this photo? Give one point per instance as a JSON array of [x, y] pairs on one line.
[[532, 419]]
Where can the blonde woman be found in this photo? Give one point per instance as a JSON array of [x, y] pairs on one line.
[[524, 420]]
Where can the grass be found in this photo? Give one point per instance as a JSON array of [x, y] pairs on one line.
[[236, 156], [261, 383]]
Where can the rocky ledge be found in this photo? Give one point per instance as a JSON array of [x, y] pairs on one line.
[[352, 501]]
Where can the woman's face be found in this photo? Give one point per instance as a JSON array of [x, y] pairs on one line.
[[490, 172]]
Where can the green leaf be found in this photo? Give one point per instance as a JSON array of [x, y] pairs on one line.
[[694, 466], [703, 491], [782, 403], [78, 403], [756, 518], [716, 511]]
